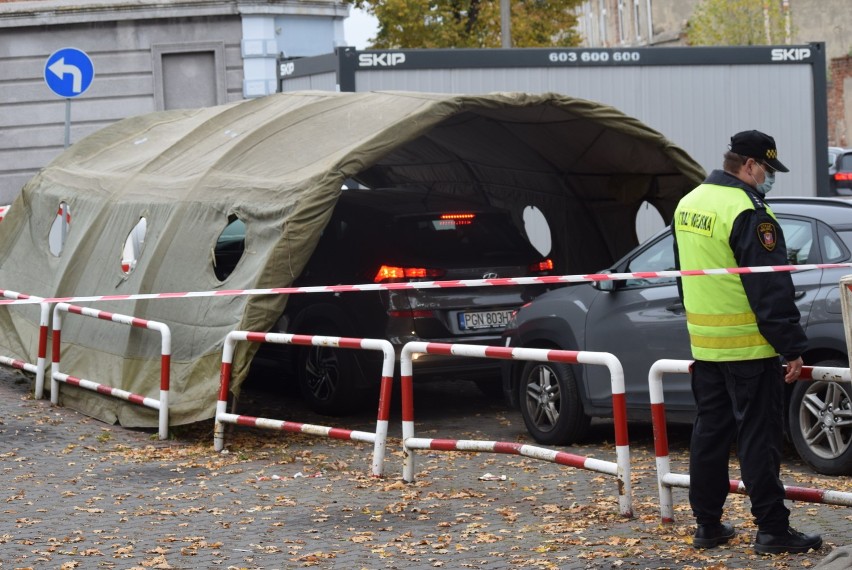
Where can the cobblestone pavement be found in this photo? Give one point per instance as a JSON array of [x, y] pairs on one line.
[[77, 493]]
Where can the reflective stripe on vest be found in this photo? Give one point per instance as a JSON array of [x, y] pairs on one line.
[[722, 326]]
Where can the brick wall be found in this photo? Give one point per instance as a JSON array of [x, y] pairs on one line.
[[840, 101]]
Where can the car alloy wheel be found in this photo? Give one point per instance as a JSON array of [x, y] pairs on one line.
[[322, 372], [550, 403], [325, 379], [821, 424]]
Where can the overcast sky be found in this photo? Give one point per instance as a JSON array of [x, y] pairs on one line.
[[358, 28]]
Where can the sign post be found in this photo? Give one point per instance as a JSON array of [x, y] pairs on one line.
[[68, 72]]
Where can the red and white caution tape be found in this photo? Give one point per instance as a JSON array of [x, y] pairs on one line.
[[507, 281]]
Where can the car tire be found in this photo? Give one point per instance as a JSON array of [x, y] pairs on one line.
[[325, 379], [550, 403], [820, 419]]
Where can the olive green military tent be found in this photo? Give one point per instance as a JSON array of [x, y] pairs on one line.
[[278, 163]]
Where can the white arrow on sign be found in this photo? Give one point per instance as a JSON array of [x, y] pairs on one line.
[[59, 69]]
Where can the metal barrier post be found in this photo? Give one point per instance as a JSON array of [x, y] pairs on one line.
[[661, 440], [161, 404], [621, 468], [41, 362], [666, 479], [379, 438]]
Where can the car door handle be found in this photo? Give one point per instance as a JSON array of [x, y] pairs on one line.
[[676, 307], [798, 295]]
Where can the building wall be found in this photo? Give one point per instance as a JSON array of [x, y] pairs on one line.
[[148, 56], [32, 117], [840, 107], [828, 21]]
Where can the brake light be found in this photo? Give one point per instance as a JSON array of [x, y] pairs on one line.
[[458, 219], [542, 266], [843, 176], [420, 314], [395, 274]]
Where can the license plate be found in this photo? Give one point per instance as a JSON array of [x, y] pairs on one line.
[[484, 320]]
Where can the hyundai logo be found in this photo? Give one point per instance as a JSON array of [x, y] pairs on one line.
[[490, 275]]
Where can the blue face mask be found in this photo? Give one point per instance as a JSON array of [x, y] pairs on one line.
[[768, 181]]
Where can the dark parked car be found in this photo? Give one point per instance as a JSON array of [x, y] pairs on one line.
[[642, 320], [840, 172], [395, 236]]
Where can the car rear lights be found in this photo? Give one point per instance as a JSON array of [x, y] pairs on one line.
[[542, 266], [843, 176], [456, 220], [419, 314], [393, 274]]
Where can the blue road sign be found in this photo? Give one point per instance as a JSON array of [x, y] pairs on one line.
[[69, 72]]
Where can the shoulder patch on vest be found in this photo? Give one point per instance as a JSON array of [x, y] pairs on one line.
[[768, 235]]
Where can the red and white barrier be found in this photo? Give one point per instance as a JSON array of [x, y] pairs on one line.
[[378, 439], [460, 283], [666, 479], [621, 468], [161, 404], [41, 358]]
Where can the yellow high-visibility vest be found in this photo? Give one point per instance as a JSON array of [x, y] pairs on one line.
[[721, 324]]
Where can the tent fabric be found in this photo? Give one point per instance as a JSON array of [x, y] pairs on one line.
[[278, 163]]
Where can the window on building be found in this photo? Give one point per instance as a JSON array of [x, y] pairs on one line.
[[636, 28], [603, 22], [650, 21], [592, 27], [189, 75], [622, 16], [583, 23]]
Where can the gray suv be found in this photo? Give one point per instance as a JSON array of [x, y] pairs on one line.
[[642, 320]]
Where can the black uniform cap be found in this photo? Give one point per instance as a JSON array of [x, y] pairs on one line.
[[758, 146]]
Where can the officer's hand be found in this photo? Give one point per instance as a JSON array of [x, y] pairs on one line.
[[794, 369]]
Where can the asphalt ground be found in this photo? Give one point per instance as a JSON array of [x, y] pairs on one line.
[[77, 493]]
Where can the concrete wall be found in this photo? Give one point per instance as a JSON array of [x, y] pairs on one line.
[[828, 21], [136, 46], [33, 117]]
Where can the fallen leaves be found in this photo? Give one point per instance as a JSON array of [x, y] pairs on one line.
[[178, 504]]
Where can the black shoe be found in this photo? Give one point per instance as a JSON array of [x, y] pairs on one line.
[[712, 535], [790, 540]]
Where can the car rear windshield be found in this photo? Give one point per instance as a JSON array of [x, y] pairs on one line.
[[460, 238], [845, 163]]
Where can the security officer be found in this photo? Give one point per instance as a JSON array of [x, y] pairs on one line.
[[738, 326]]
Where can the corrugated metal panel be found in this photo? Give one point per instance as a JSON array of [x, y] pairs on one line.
[[320, 81], [697, 107]]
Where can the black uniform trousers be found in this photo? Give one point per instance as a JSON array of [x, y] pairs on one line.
[[738, 402]]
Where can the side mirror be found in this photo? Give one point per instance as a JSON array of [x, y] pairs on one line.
[[605, 285]]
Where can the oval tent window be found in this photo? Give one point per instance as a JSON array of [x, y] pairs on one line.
[[133, 246], [59, 229], [648, 221], [229, 248], [538, 230]]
